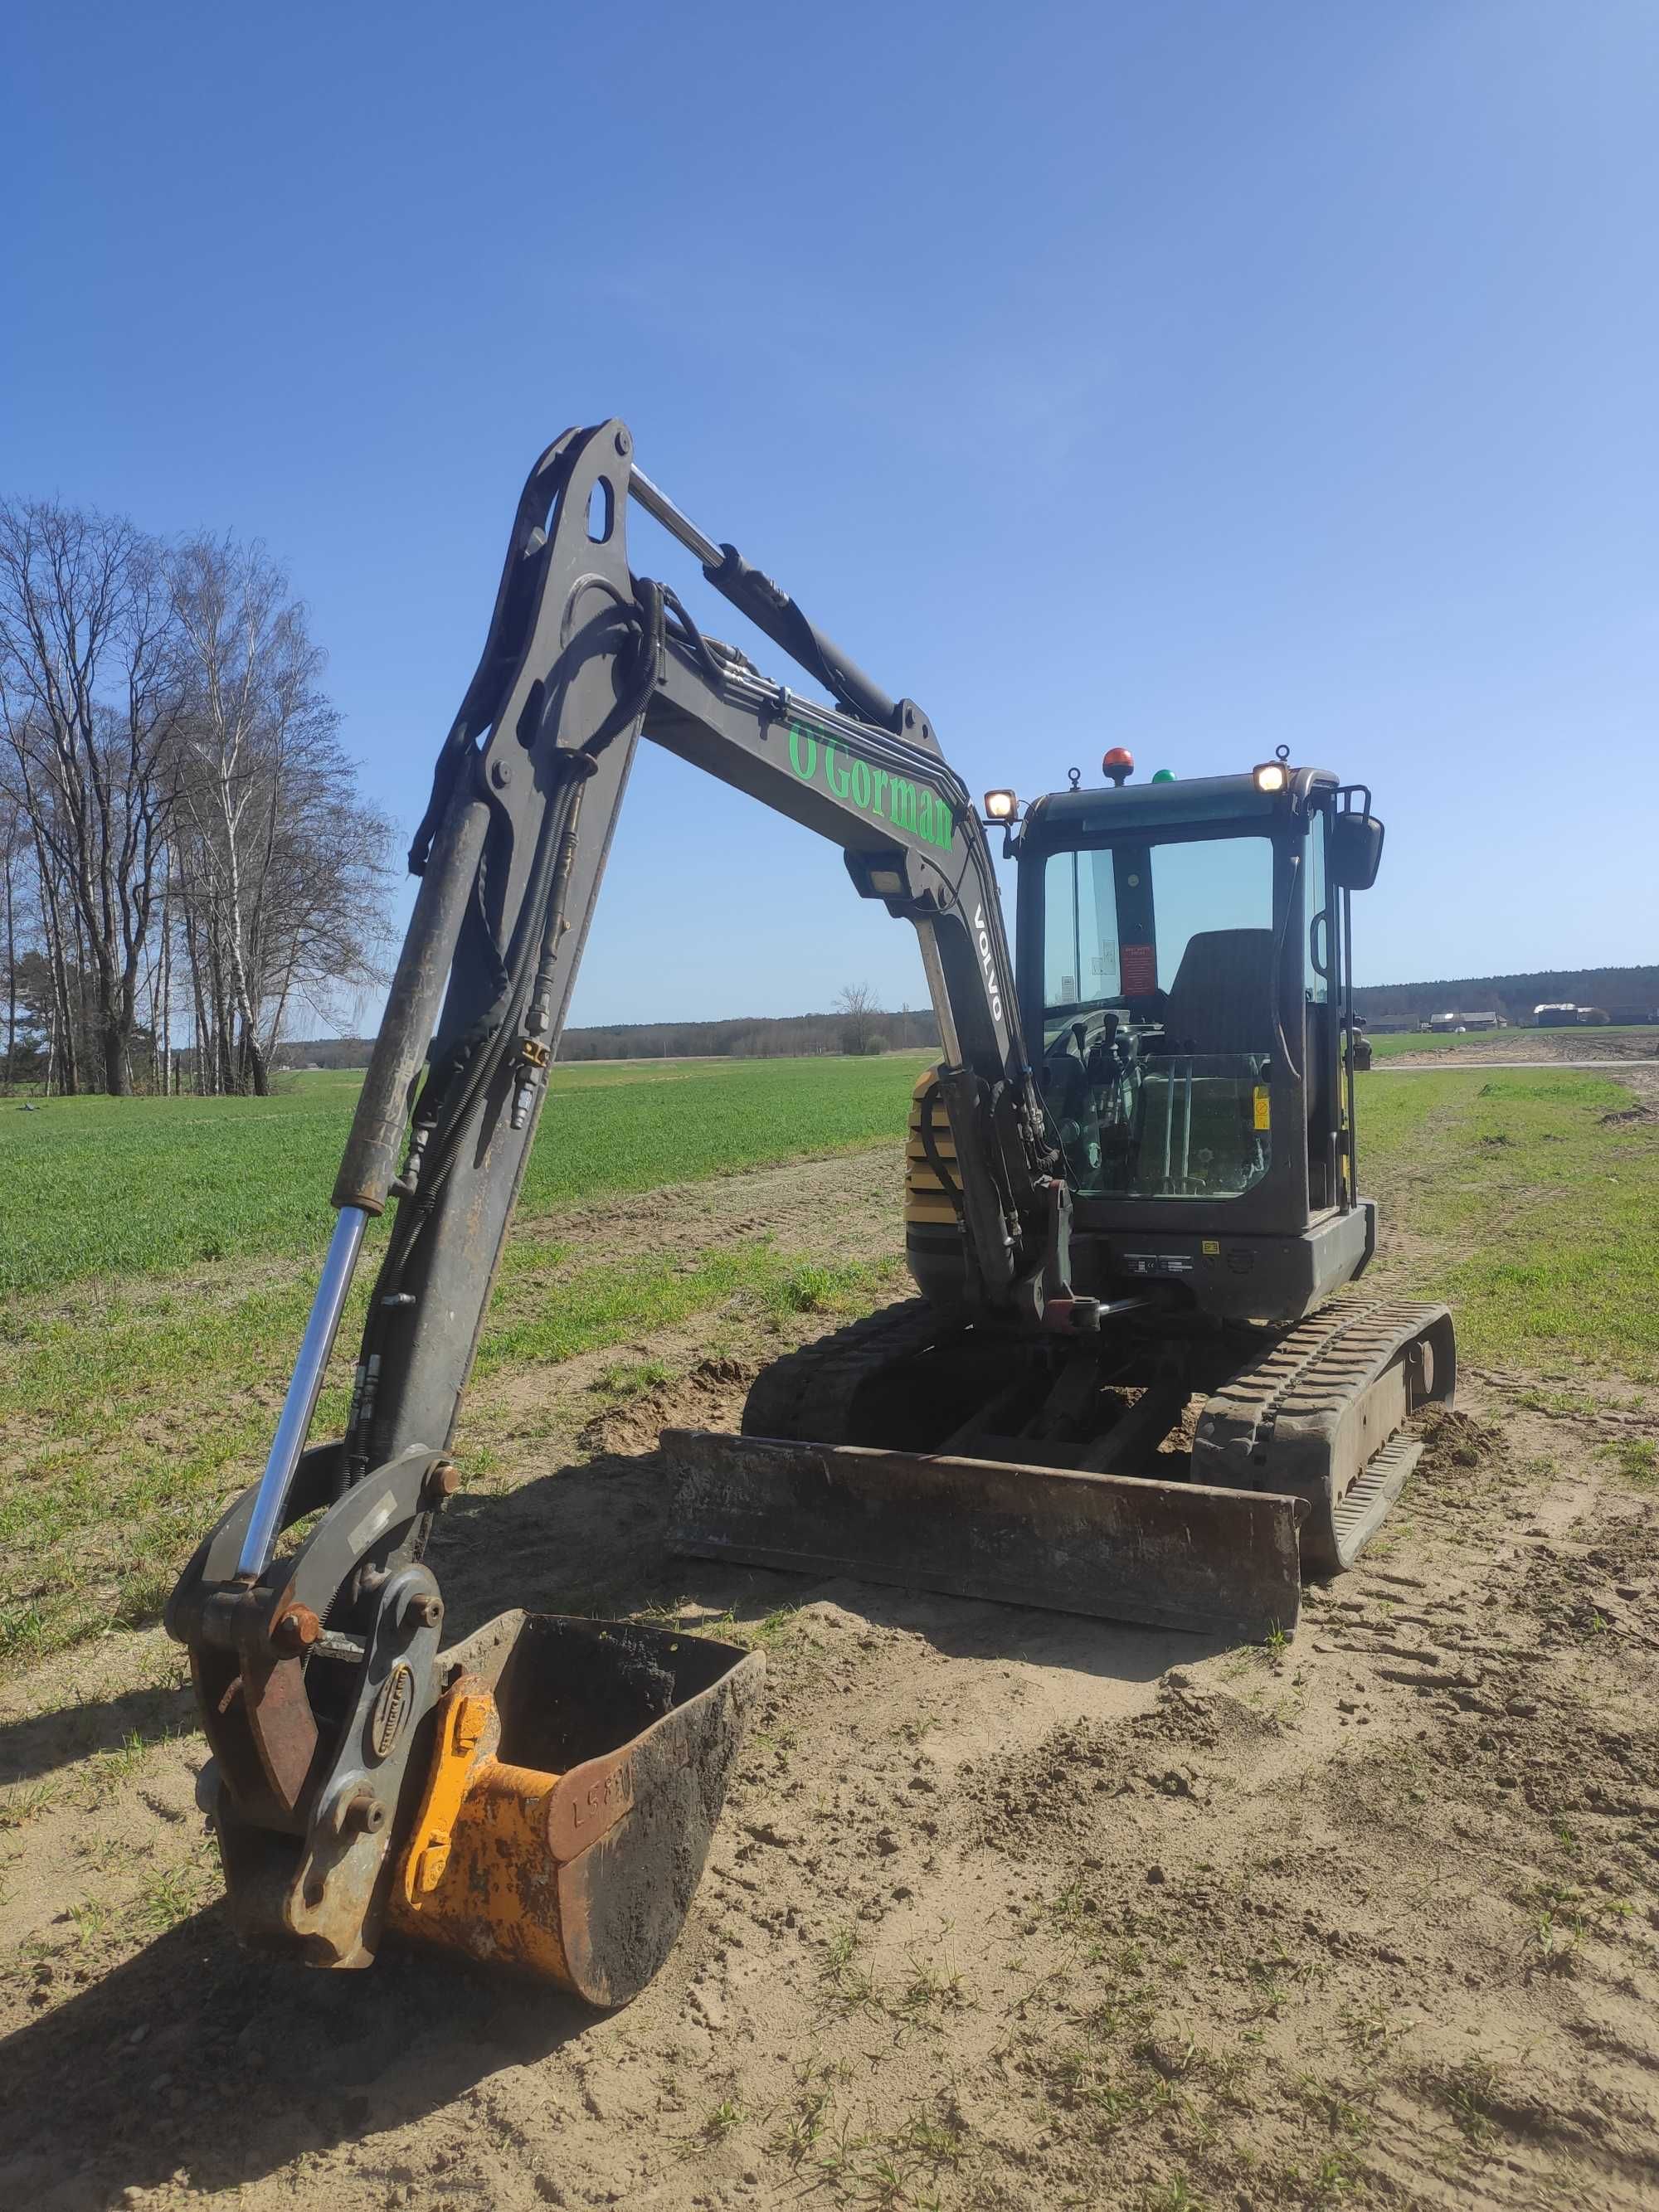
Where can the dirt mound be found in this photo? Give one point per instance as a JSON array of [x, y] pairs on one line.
[[1465, 1461], [1458, 1440], [1641, 1112], [1055, 1803], [710, 1397]]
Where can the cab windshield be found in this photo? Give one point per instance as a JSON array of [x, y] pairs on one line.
[[1158, 1016]]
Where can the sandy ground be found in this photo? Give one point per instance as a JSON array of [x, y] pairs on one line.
[[1006, 1909]]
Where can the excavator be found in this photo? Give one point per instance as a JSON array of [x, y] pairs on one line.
[[1138, 1383]]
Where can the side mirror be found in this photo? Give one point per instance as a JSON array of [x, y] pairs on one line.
[[1355, 851]]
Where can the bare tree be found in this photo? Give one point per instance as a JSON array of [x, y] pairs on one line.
[[91, 695], [173, 797], [281, 865], [856, 1004], [13, 850]]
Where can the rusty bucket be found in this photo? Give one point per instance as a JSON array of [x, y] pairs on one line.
[[577, 1769]]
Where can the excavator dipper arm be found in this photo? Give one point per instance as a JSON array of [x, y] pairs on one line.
[[580, 660], [359, 1772]]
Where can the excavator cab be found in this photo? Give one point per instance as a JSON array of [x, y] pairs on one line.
[[1181, 969]]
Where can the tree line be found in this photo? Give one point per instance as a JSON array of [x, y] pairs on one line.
[[185, 858], [858, 1025], [754, 1037], [1628, 994]]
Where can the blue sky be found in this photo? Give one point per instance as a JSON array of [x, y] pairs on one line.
[[1188, 374]]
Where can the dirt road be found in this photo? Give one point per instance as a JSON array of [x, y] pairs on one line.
[[1534, 1049], [1006, 1910]]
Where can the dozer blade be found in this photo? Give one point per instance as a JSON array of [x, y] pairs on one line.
[[576, 1772], [1169, 1554]]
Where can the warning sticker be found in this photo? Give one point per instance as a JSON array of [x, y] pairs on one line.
[[1263, 1118], [1139, 963]]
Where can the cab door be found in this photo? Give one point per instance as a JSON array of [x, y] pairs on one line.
[[1321, 969]]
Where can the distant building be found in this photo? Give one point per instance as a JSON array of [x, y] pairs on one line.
[[1455, 1023], [1567, 1016]]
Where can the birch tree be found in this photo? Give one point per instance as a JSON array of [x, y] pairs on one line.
[[282, 864], [91, 698], [13, 850]]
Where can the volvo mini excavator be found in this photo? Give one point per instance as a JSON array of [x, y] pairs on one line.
[[1135, 1384]]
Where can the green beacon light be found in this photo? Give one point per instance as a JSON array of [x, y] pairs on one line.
[[1162, 776]]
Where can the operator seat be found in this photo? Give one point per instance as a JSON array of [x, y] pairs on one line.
[[1222, 999]]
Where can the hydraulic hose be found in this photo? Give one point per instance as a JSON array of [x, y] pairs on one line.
[[455, 1088]]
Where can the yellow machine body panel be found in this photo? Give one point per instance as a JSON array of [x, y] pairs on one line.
[[927, 1202]]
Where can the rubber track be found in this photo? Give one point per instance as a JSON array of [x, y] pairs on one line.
[[1368, 1496], [1314, 1367], [807, 1397], [1308, 1379]]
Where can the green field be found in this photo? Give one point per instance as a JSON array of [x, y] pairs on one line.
[[159, 1257], [115, 1188], [1390, 1048], [1532, 1211]]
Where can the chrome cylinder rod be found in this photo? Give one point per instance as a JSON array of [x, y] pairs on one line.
[[303, 1392], [677, 524]]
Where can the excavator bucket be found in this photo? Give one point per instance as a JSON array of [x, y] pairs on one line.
[[576, 1772], [1168, 1554]]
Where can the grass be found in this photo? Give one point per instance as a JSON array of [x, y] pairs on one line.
[[1635, 1461], [137, 1406], [141, 1387], [929, 1988], [27, 1801], [762, 1635], [1390, 1048], [631, 1378], [170, 1895], [1539, 1221], [543, 1314], [138, 1432], [1468, 2092], [112, 1187]]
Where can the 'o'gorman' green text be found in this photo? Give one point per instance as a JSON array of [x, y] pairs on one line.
[[908, 806]]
